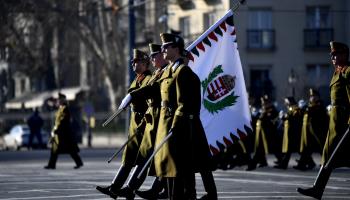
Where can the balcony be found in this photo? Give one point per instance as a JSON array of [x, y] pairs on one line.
[[186, 4], [212, 2], [261, 39], [317, 38]]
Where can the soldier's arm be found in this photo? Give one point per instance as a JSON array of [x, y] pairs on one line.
[[145, 92], [185, 95], [347, 78]]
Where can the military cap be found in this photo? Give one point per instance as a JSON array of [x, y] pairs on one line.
[[313, 92], [290, 101], [172, 39], [154, 49], [139, 55], [61, 96], [175, 32], [339, 47], [265, 99]]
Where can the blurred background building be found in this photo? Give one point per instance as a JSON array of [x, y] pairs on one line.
[[81, 47], [284, 45]]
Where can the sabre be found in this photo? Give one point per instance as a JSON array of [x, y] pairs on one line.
[[110, 118], [155, 152], [121, 148], [336, 148]]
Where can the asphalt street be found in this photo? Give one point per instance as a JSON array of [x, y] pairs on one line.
[[22, 177]]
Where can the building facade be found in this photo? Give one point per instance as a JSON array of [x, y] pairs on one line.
[[284, 45]]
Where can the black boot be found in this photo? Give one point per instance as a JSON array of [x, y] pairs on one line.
[[153, 192], [209, 185], [284, 162], [301, 163], [134, 183], [316, 191], [104, 189], [117, 182], [127, 192]]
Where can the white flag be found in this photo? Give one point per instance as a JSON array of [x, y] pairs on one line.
[[214, 57]]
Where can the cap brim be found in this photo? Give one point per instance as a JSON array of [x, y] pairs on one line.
[[154, 53], [167, 44]]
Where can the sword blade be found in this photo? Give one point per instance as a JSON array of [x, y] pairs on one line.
[[110, 118], [121, 148], [155, 152], [336, 148]]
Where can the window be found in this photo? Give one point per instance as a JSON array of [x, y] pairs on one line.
[[22, 85], [318, 17], [208, 20], [260, 34], [318, 31], [185, 28], [260, 82], [318, 76]]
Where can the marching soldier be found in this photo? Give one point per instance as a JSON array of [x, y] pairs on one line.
[[62, 140], [151, 119], [186, 151], [338, 122], [140, 65], [314, 130], [266, 137], [291, 132]]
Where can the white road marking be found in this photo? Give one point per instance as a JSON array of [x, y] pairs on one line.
[[52, 197]]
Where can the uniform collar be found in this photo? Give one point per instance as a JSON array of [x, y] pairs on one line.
[[176, 64]]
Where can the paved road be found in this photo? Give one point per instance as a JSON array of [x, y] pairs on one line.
[[22, 177]]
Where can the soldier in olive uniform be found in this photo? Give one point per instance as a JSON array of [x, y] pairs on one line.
[[314, 130], [187, 150], [151, 119], [266, 138], [62, 140], [140, 65], [291, 131], [338, 121]]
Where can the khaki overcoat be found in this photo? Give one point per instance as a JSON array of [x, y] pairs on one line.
[[339, 118], [138, 109], [63, 140]]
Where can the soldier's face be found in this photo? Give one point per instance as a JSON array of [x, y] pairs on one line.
[[139, 66], [338, 58], [169, 52], [158, 60]]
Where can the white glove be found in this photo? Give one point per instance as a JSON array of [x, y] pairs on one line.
[[126, 101], [52, 133]]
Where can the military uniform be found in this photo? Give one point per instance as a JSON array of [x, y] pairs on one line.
[[266, 137], [136, 128], [138, 109], [291, 132], [63, 141], [187, 150], [339, 121], [314, 130], [339, 116], [150, 125]]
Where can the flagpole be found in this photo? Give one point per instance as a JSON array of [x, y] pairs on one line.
[[214, 26], [209, 30]]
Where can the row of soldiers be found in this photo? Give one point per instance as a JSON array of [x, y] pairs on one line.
[[165, 108], [301, 128], [307, 129]]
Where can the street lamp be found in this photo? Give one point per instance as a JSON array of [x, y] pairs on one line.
[[292, 79]]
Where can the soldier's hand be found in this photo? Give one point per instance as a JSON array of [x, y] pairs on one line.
[[125, 102]]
